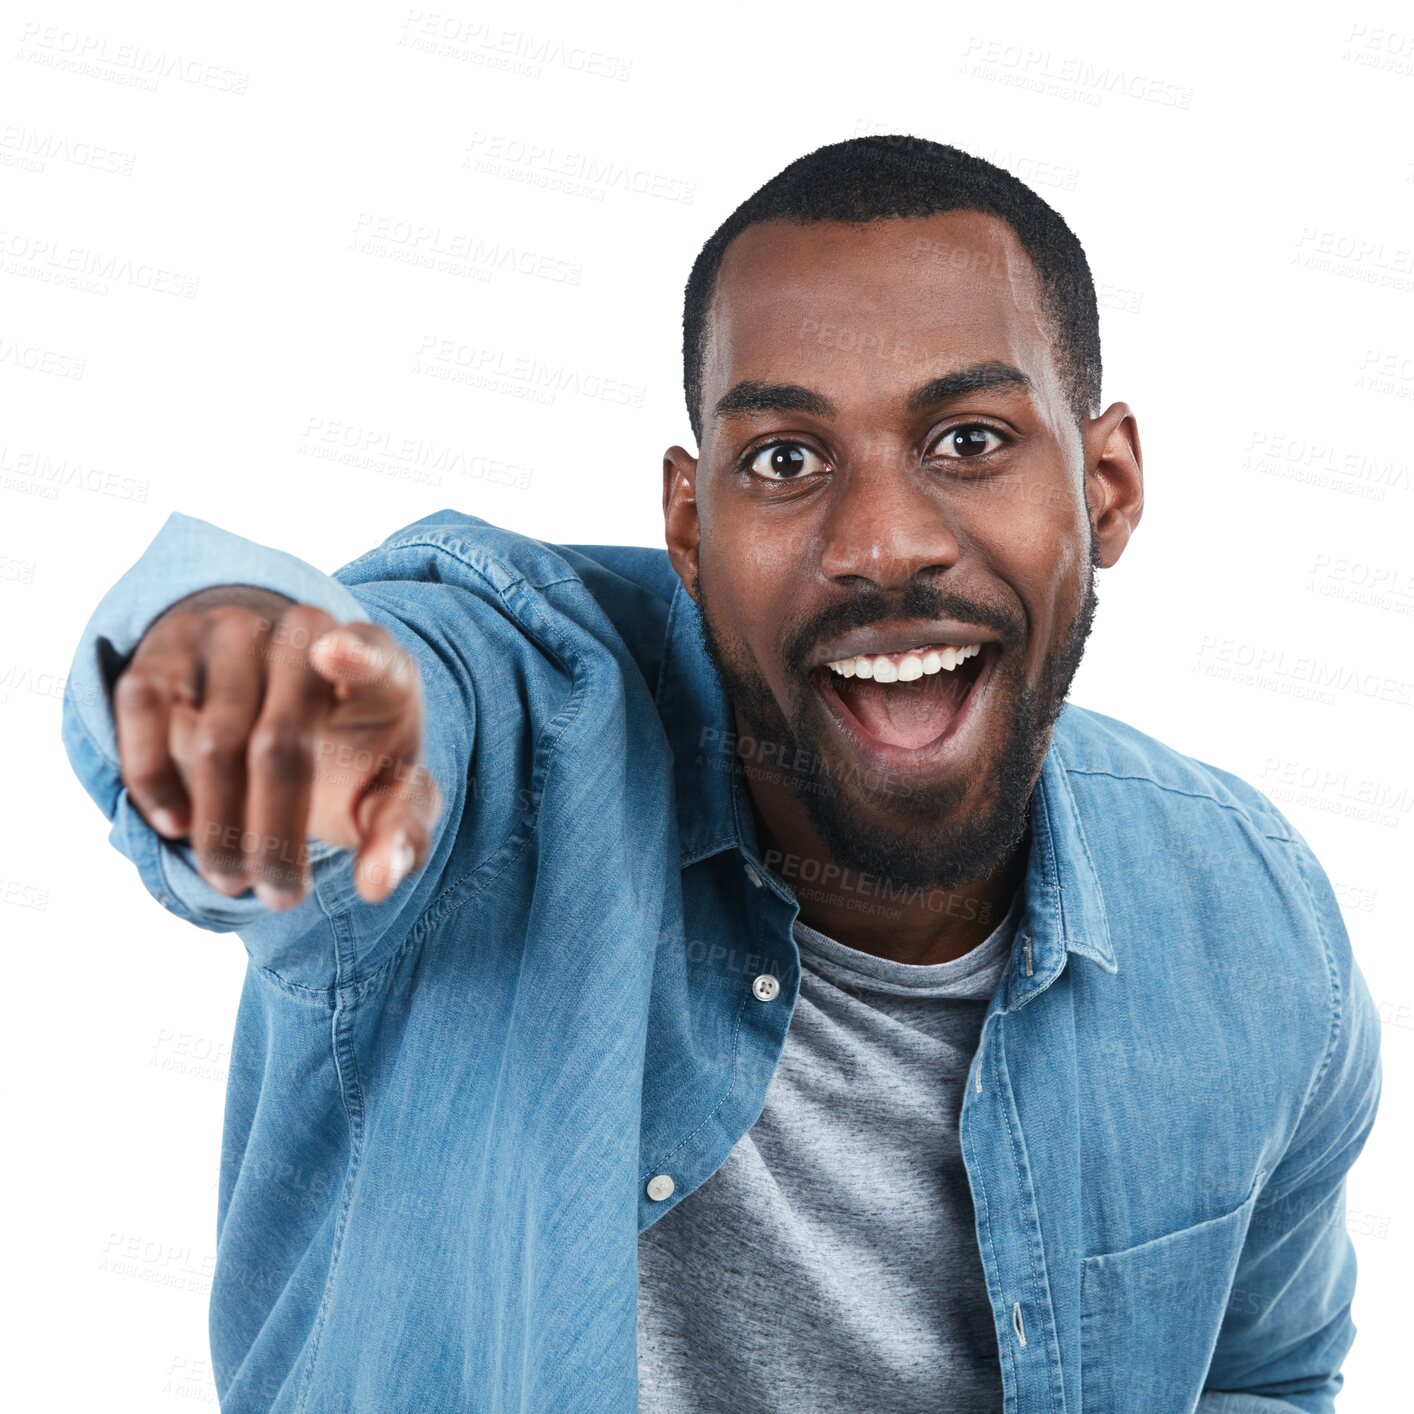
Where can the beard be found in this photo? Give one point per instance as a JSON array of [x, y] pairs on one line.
[[917, 837]]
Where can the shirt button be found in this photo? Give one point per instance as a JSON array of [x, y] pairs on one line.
[[660, 1186], [765, 988], [753, 875]]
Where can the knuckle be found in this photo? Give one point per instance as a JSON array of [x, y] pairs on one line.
[[231, 699], [213, 746], [136, 691], [218, 842], [309, 614], [235, 623], [183, 623], [300, 625], [149, 784], [241, 614], [282, 750]]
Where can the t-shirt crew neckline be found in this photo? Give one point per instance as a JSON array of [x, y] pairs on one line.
[[839, 962]]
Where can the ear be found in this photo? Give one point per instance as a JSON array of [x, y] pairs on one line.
[[1114, 479], [681, 527]]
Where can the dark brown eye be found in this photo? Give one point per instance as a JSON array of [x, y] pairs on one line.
[[972, 441], [784, 461]]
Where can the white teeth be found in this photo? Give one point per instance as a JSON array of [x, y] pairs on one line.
[[906, 666]]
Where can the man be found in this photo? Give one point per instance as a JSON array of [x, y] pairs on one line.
[[734, 978]]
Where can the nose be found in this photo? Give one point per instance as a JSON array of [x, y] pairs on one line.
[[885, 524]]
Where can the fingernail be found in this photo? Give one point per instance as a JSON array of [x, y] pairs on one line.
[[278, 899], [165, 822], [399, 860]]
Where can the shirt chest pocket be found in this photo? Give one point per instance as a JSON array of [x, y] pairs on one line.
[[1150, 1315]]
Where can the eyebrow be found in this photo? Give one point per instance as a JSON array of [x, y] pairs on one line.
[[751, 396]]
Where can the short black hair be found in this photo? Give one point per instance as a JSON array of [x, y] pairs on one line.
[[881, 175]]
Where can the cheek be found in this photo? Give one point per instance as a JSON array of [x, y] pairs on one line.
[[738, 594], [749, 574], [769, 559], [1057, 588], [1039, 515], [1037, 543]]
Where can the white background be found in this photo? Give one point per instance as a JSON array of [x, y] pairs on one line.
[[1242, 186]]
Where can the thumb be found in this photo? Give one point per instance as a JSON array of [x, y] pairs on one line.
[[395, 822], [364, 658]]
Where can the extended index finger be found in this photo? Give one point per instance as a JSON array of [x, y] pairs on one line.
[[280, 759]]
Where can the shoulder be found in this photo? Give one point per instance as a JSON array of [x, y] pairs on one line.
[[510, 557], [574, 602], [1102, 754], [1204, 856], [1191, 852]]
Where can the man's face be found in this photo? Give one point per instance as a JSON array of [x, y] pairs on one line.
[[841, 508]]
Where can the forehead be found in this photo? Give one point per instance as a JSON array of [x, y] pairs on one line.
[[836, 305]]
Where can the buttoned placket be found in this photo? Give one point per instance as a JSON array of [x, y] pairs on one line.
[[1013, 1258], [764, 989]]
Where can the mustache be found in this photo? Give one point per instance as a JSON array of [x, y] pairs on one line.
[[918, 601]]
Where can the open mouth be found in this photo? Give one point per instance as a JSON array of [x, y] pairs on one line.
[[908, 722]]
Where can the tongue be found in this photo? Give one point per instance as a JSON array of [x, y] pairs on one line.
[[908, 714]]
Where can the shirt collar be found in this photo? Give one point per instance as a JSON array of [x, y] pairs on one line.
[[701, 731], [1064, 906]]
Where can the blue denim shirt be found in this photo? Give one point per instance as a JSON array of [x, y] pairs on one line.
[[450, 1114]]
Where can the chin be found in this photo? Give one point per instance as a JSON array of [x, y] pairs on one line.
[[924, 839]]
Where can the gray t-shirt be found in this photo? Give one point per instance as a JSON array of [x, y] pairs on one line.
[[831, 1263]]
